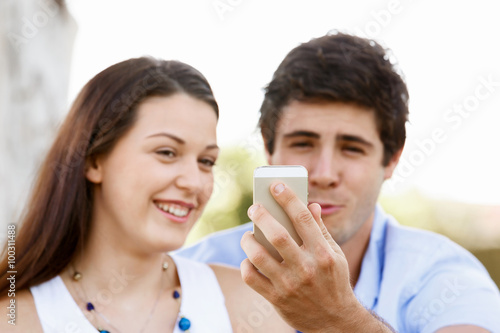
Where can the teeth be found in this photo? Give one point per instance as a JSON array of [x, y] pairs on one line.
[[176, 210]]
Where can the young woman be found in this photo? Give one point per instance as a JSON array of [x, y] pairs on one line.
[[127, 177]]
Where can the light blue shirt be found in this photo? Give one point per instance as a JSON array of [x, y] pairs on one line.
[[418, 281]]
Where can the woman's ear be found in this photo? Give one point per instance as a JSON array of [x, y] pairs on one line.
[[93, 170]]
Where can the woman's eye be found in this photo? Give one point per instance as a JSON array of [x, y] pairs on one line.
[[207, 162], [166, 153]]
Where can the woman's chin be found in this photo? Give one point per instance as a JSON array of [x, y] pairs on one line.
[[170, 243]]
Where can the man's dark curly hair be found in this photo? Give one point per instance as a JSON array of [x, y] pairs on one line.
[[340, 68]]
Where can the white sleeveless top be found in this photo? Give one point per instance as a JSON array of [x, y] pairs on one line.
[[202, 303]]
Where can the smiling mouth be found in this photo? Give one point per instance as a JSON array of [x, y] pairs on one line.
[[176, 210]]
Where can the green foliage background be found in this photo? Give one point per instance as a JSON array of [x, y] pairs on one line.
[[232, 194], [475, 227]]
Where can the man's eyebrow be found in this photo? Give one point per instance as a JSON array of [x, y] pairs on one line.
[[302, 133], [340, 137], [354, 138], [168, 135], [179, 140]]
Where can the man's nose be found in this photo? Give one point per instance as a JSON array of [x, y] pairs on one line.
[[325, 170]]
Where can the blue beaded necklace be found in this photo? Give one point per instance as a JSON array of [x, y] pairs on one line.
[[182, 322]]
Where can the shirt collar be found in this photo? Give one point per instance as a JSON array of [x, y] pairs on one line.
[[368, 286]]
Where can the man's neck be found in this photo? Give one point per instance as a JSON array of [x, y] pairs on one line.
[[355, 248]]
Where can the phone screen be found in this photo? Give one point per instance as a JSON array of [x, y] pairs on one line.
[[295, 178]]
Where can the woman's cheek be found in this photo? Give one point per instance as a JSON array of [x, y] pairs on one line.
[[207, 188]]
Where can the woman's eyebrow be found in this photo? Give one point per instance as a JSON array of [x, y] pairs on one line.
[[168, 135], [179, 140], [212, 147]]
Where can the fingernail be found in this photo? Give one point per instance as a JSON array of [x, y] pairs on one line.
[[279, 188], [252, 209]]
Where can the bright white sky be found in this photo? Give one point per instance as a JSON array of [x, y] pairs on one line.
[[446, 49]]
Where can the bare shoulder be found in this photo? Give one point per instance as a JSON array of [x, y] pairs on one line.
[[248, 311], [229, 277], [20, 314]]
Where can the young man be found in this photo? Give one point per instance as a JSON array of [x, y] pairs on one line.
[[337, 106]]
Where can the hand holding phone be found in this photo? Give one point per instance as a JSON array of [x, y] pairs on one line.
[[295, 177]]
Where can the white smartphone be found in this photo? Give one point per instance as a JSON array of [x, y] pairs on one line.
[[295, 178]]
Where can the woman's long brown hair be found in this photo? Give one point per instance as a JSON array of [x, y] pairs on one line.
[[57, 217]]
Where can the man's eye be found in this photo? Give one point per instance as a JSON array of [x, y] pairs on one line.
[[301, 144], [352, 149]]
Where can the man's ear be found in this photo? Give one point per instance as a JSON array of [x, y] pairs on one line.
[[93, 170], [268, 155], [389, 169]]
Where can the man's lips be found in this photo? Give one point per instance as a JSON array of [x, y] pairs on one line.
[[327, 209]]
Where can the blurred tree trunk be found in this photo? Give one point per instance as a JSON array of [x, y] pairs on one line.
[[36, 42]]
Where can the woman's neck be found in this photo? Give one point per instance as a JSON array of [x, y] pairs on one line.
[[119, 282], [112, 263]]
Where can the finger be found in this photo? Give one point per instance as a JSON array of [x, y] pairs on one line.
[[275, 233], [302, 219], [254, 279], [259, 256], [316, 212]]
